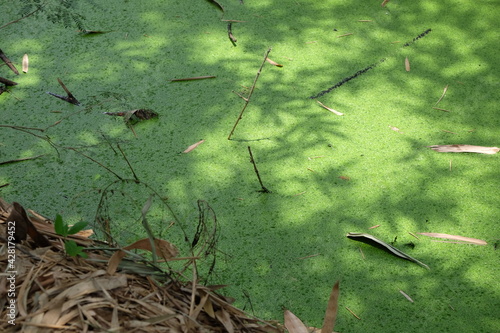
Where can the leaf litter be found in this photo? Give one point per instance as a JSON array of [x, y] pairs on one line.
[[58, 292]]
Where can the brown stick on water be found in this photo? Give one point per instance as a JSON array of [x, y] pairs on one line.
[[264, 189], [247, 100]]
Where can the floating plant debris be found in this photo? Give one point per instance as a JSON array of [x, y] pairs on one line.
[[26, 63], [69, 98], [373, 241], [464, 149], [8, 62]]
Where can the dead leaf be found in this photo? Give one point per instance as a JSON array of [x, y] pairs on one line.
[[273, 63], [25, 63], [373, 241], [407, 64], [345, 178], [23, 227], [464, 149], [454, 237], [331, 310], [193, 146], [293, 324]]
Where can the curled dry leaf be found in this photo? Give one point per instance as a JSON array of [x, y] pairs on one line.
[[273, 63], [373, 241], [193, 146], [464, 149], [293, 324], [454, 237]]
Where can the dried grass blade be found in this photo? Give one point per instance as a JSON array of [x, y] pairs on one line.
[[331, 310], [330, 109], [194, 78], [455, 237], [193, 146], [406, 295], [464, 149], [442, 96], [293, 324]]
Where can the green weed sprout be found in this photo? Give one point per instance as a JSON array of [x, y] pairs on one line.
[[64, 230]]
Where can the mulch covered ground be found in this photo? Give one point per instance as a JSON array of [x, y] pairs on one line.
[[44, 290]]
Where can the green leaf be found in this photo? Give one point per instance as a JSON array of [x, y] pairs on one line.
[[77, 227], [60, 227], [74, 250]]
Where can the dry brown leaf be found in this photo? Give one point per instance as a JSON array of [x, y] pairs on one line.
[[454, 237], [293, 324], [193, 146], [224, 318], [273, 63], [166, 250], [407, 64], [25, 63], [464, 149], [331, 310]]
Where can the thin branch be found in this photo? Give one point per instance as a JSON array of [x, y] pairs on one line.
[[126, 160], [264, 189], [22, 18], [247, 100], [95, 161]]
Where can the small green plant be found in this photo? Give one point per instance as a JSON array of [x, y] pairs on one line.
[[64, 230]]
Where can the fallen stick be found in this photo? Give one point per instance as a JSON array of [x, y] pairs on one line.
[[464, 149], [264, 189], [247, 99]]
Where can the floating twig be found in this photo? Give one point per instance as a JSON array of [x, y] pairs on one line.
[[264, 189], [230, 33], [126, 160], [348, 34], [247, 100], [21, 159], [441, 109], [69, 98], [366, 69], [194, 78], [355, 315], [7, 82], [8, 62]]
